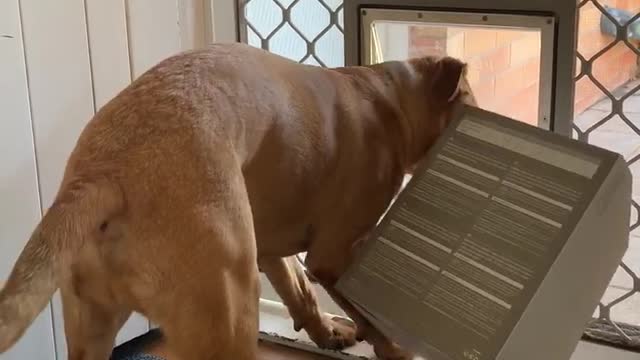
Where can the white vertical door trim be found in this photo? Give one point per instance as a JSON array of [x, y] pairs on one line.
[[109, 48], [208, 22], [223, 16], [60, 83], [193, 19], [61, 89], [154, 33]]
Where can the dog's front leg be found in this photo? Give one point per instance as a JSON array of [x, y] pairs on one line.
[[384, 348], [326, 262], [292, 285]]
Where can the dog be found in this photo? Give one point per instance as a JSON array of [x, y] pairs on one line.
[[212, 166]]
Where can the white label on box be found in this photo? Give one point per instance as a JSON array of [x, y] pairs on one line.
[[541, 152]]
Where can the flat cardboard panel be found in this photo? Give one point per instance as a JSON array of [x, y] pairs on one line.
[[487, 244]]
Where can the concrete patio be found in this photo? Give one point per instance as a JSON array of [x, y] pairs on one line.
[[617, 136]]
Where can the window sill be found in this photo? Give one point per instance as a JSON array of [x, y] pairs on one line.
[[276, 326]]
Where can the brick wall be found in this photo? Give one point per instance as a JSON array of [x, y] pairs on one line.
[[504, 65], [613, 68]]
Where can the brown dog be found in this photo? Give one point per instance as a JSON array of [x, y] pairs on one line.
[[211, 163]]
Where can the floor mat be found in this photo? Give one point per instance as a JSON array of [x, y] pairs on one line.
[[602, 331], [599, 331], [134, 349]]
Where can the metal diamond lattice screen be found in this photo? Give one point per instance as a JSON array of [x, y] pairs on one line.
[[308, 31], [607, 112], [607, 106]]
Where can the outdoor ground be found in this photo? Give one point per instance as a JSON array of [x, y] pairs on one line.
[[616, 135]]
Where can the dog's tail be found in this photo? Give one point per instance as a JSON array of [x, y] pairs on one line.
[[79, 211]]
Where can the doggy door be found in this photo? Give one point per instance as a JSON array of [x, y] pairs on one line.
[[509, 56]]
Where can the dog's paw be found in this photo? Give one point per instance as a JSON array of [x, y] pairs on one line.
[[335, 333], [391, 351]]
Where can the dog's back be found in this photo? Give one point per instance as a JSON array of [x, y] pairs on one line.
[[158, 173], [171, 182], [153, 174]]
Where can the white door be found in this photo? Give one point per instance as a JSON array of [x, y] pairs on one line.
[[19, 201], [59, 63]]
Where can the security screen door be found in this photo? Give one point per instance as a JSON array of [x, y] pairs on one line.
[[565, 66], [510, 57]]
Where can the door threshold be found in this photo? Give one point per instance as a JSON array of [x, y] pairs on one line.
[[276, 326]]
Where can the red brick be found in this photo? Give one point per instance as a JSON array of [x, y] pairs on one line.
[[455, 45], [485, 94], [479, 41], [622, 4], [592, 42], [427, 41], [428, 31], [587, 94], [508, 36], [584, 88], [522, 105], [473, 76], [492, 63], [615, 67], [589, 18], [453, 31], [532, 72], [630, 61], [525, 49], [518, 78]]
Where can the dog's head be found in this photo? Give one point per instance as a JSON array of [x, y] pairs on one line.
[[438, 87]]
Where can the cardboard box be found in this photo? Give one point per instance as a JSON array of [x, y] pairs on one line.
[[500, 247]]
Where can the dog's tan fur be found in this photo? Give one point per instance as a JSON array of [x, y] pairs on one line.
[[211, 165]]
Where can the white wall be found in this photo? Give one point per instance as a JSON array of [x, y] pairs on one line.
[[19, 201], [60, 61]]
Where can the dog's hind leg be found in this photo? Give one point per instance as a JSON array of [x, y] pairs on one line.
[[291, 283], [212, 311], [208, 303], [90, 328], [221, 323]]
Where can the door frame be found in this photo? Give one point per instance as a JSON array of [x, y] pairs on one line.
[[566, 20], [544, 25], [222, 21]]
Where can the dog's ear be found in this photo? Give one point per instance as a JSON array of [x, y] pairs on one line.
[[448, 78]]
